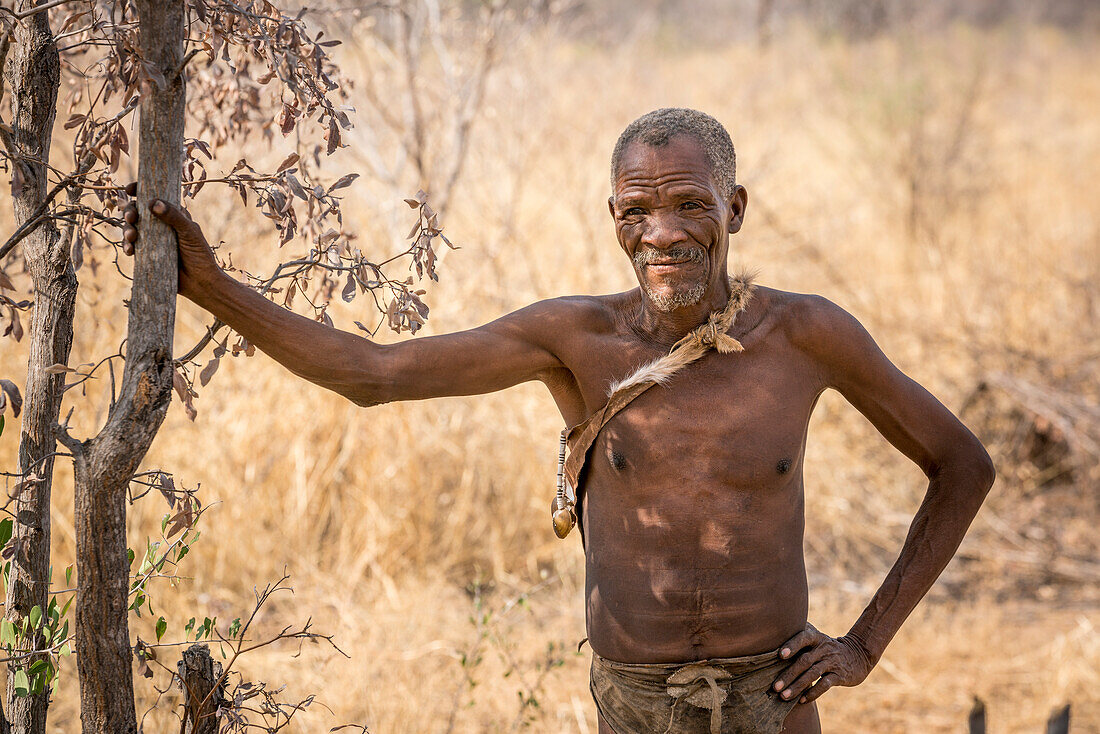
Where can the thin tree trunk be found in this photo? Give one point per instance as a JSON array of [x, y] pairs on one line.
[[105, 464], [33, 74]]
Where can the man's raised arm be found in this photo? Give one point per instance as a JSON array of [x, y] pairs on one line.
[[500, 354], [959, 473]]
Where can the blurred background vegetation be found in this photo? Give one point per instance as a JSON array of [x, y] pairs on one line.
[[929, 166]]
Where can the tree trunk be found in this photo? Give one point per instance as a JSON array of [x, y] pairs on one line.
[[105, 464], [33, 74]]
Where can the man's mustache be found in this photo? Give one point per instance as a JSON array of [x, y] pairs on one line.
[[650, 256]]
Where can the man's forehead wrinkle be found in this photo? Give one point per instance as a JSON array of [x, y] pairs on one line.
[[681, 183]]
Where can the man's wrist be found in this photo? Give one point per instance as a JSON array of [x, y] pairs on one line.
[[200, 288], [860, 644]]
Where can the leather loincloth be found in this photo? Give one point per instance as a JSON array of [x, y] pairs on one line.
[[720, 696]]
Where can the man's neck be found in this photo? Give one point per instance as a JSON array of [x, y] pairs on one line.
[[667, 327]]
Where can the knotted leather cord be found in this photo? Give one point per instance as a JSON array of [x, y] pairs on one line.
[[692, 679], [710, 335]]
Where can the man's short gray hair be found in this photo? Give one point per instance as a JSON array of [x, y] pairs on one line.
[[656, 128]]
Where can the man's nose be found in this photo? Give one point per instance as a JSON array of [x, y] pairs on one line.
[[663, 230]]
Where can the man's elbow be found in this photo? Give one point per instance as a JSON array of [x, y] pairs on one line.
[[367, 391], [363, 379], [969, 466], [986, 470], [366, 400]]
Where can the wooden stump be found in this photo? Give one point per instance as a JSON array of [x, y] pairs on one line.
[[976, 723], [197, 673], [1058, 723]]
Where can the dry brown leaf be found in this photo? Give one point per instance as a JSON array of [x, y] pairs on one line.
[[10, 393]]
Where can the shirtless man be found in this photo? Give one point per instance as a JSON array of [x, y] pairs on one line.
[[692, 504]]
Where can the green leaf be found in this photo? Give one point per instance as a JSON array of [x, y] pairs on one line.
[[161, 627], [22, 684], [7, 632], [1, 425], [65, 651], [130, 555], [38, 666], [68, 575], [35, 616], [65, 609], [5, 531]]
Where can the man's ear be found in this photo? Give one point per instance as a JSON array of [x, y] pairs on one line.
[[738, 201]]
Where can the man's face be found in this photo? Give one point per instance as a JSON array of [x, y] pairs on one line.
[[673, 221]]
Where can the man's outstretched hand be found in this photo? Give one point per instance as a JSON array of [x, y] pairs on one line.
[[196, 260], [831, 661]]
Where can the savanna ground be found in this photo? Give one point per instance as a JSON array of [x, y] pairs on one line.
[[939, 185]]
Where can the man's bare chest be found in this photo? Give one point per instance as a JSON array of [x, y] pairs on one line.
[[735, 417], [732, 420]]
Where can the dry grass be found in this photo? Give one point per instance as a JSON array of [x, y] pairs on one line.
[[941, 188]]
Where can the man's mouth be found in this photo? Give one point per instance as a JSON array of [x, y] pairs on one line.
[[665, 266], [667, 261]]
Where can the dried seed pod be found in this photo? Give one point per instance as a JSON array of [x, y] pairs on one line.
[[564, 520]]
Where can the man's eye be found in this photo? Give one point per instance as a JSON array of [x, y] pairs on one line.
[[691, 205], [634, 211]]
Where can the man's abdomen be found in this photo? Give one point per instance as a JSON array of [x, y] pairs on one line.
[[693, 513], [691, 556]]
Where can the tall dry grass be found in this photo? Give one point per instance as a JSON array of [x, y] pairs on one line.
[[941, 187]]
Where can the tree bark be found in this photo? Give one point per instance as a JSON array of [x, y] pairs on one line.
[[105, 464], [33, 75]]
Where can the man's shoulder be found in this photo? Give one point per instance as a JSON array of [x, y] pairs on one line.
[[809, 321], [597, 313], [825, 334]]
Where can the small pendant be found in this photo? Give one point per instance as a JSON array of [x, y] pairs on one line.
[[564, 520], [562, 508]]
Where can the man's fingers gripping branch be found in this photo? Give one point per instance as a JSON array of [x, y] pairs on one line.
[[178, 218]]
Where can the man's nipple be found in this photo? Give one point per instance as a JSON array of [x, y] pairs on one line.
[[616, 459]]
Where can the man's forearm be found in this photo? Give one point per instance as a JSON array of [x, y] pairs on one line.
[[954, 495], [323, 355]]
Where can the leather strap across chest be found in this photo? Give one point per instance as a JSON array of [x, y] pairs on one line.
[[579, 439]]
